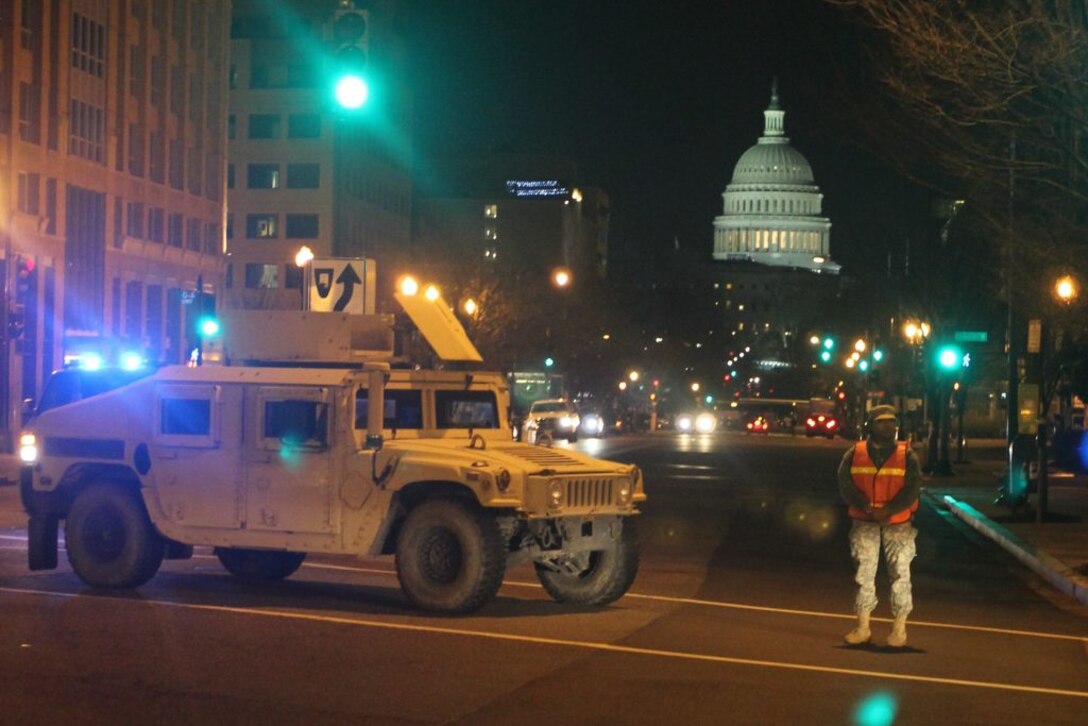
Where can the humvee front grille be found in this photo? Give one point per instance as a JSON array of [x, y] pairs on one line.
[[584, 493]]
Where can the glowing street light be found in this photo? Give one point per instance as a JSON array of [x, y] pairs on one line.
[[304, 256], [562, 277], [471, 307], [633, 376], [1066, 289]]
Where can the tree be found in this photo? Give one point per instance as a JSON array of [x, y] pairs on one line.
[[987, 102]]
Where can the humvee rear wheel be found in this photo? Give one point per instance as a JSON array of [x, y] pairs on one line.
[[594, 578], [450, 556], [110, 539], [259, 565]]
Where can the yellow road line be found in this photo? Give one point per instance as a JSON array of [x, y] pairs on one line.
[[579, 644]]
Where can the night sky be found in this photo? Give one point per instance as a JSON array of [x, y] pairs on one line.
[[656, 104]]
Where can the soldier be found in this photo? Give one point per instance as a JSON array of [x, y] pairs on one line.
[[879, 479]]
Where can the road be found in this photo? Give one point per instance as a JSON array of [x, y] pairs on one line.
[[737, 616]]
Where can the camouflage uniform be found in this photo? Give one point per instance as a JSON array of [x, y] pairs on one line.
[[898, 541]]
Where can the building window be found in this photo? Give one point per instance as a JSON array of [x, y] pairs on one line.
[[174, 230], [491, 211], [136, 72], [30, 109], [136, 150], [303, 176], [231, 126], [302, 226], [264, 126], [29, 185], [136, 220], [196, 171], [158, 80], [192, 234], [261, 226], [304, 126], [211, 238], [88, 45], [157, 167], [134, 308], [51, 206], [156, 218], [87, 126], [230, 176], [177, 164], [262, 276], [263, 176]]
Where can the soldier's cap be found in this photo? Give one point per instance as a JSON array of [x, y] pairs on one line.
[[883, 413]]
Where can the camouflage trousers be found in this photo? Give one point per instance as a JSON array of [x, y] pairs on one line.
[[898, 541]]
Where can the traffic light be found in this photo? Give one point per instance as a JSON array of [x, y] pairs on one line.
[[825, 356], [549, 362], [351, 40], [829, 343], [208, 326], [949, 358], [17, 318]]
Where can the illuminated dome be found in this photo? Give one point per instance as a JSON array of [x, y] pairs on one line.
[[772, 206]]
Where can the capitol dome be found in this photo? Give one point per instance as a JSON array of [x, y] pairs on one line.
[[772, 206], [767, 163]]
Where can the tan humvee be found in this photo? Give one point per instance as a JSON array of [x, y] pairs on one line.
[[305, 443]]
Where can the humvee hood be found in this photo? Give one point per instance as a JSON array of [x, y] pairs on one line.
[[514, 455]]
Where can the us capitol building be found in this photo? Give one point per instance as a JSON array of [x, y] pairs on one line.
[[772, 207], [773, 278]]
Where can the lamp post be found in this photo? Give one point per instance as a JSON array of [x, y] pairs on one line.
[[915, 333], [303, 258]]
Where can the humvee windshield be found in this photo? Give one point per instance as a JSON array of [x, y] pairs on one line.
[[466, 410], [75, 384]]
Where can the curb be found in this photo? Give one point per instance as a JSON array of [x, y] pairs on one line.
[[1054, 571]]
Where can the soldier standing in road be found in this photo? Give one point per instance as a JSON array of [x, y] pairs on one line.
[[879, 479]]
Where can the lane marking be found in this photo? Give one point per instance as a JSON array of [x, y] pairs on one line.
[[578, 644], [720, 604]]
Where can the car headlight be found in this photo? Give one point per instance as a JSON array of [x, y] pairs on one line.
[[566, 422], [502, 481], [623, 492], [685, 423], [705, 423], [555, 494], [28, 448]]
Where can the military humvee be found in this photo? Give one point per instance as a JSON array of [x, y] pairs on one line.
[[304, 442]]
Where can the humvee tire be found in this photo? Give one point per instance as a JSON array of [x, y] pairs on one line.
[[259, 565], [110, 539], [450, 556], [606, 577]]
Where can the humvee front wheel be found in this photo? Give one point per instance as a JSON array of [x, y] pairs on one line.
[[110, 539], [450, 556], [259, 565], [594, 578]]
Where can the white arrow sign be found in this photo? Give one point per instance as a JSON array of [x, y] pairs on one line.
[[338, 286]]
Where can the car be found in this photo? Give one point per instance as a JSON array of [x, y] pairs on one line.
[[758, 425], [553, 418], [821, 424], [696, 423], [591, 424]]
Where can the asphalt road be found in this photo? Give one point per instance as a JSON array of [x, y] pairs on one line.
[[737, 616]]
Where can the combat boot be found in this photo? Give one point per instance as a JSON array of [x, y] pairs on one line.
[[860, 634], [898, 637]]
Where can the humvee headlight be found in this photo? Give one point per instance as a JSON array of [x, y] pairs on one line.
[[555, 494], [624, 491], [502, 480], [566, 422], [28, 448]]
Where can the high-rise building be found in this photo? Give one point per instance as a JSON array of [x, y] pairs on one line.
[[112, 170], [309, 168]]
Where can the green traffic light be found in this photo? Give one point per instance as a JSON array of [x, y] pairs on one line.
[[950, 358], [863, 365], [878, 355], [549, 362], [826, 356], [351, 92], [209, 327], [829, 343]]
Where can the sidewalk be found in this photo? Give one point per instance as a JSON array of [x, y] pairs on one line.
[[1056, 549]]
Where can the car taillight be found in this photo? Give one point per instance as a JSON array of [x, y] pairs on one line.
[[831, 424], [811, 422]]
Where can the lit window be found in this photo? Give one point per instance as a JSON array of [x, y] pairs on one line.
[[491, 211], [261, 226]]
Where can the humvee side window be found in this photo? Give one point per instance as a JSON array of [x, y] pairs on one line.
[[297, 423], [466, 409], [185, 417], [403, 409]]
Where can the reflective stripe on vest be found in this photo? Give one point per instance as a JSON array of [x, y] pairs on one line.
[[880, 485]]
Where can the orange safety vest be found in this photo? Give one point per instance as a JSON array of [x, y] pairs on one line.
[[880, 485]]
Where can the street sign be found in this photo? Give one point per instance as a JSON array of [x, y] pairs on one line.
[[971, 336], [341, 286], [1035, 336]]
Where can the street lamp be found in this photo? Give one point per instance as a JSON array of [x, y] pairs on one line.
[[303, 258], [1066, 289], [562, 277], [633, 376]]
